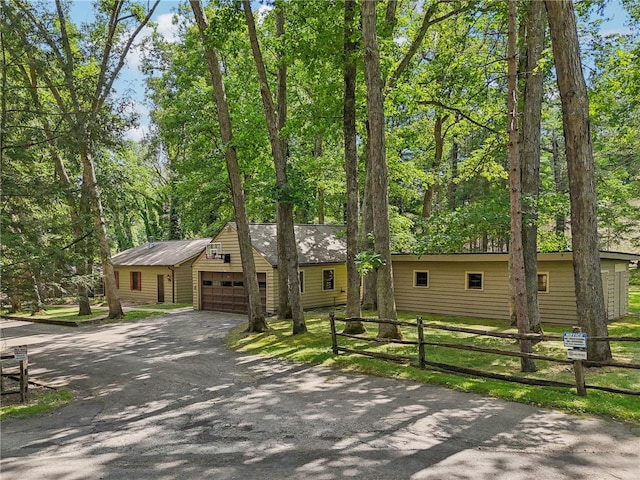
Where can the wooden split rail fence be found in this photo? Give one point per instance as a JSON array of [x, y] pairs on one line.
[[423, 362]]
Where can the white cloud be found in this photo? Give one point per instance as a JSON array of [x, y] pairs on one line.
[[166, 27]]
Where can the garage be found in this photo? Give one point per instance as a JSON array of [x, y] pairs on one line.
[[225, 291]]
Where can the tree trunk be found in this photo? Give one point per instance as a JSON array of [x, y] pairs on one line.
[[320, 199], [427, 201], [351, 171], [256, 318], [592, 316], [516, 256], [104, 247], [284, 303], [369, 294], [280, 162], [559, 184], [530, 154], [379, 176]]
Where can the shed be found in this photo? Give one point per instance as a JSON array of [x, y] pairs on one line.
[[477, 285], [218, 282], [158, 272]]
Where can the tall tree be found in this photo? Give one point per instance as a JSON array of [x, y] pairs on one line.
[[530, 153], [285, 217], [257, 321], [592, 315], [82, 97], [516, 254], [351, 169], [378, 171], [284, 302]]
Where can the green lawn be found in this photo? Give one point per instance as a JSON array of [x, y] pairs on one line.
[[40, 401], [634, 300], [69, 313], [314, 347]]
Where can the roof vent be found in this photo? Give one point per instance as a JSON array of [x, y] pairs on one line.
[[150, 243]]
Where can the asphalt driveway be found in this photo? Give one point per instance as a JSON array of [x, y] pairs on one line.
[[162, 398]]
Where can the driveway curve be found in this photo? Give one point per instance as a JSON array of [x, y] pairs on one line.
[[163, 398]]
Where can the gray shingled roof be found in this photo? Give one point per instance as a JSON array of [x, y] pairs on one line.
[[316, 243], [167, 253]]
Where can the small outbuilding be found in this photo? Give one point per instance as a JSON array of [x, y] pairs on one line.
[[218, 282], [477, 285], [158, 272]]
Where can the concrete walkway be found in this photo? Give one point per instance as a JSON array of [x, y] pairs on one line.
[[162, 398]]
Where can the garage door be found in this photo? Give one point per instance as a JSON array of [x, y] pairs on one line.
[[225, 291]]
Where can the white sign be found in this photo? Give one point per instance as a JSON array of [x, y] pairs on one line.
[[20, 353], [577, 354], [574, 339]]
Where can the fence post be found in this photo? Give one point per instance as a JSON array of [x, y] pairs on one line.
[[578, 370], [24, 381], [334, 340], [421, 357]]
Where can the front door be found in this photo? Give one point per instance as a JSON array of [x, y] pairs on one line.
[[160, 288]]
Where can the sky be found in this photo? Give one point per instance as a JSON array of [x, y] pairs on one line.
[[132, 80]]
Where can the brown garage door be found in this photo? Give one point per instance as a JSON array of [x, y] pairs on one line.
[[225, 291]]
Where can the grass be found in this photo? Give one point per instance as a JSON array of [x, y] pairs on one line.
[[634, 300], [69, 313], [164, 306], [40, 401], [314, 347]]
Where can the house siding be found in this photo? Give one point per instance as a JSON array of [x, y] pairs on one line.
[[313, 295], [447, 295], [149, 291], [183, 290], [229, 239]]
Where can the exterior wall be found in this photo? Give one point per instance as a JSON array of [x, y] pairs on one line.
[[229, 239], [447, 295], [313, 295], [149, 284], [183, 290], [615, 281]]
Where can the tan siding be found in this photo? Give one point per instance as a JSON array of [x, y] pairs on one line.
[[182, 284], [149, 283], [313, 295], [229, 239], [446, 293]]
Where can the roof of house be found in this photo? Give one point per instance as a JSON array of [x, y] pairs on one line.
[[166, 253], [317, 244], [504, 257]]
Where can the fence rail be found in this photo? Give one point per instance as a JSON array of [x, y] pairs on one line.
[[422, 362]]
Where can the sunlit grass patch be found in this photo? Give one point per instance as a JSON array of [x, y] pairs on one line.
[[40, 401]]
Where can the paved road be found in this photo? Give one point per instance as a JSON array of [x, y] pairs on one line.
[[164, 399]]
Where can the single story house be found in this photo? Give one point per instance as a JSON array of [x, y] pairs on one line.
[[218, 283], [477, 285], [158, 272]]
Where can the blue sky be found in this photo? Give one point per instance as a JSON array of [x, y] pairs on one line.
[[132, 80]]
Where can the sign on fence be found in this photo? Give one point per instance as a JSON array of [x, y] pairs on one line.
[[20, 353], [574, 339]]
